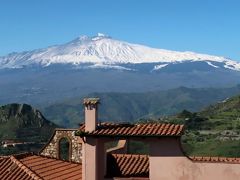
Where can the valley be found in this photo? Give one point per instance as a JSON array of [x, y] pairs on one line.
[[136, 83]]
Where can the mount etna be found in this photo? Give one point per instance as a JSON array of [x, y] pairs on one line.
[[102, 64]]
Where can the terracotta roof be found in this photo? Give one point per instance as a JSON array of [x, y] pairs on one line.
[[215, 159], [11, 168], [88, 101], [127, 165], [29, 166], [147, 129]]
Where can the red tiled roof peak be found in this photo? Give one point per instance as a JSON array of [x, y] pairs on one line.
[[30, 166], [88, 101], [140, 129]]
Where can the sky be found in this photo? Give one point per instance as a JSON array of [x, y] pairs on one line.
[[204, 26]]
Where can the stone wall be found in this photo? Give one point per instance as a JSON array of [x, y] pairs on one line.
[[51, 149]]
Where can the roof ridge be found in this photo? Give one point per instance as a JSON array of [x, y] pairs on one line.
[[130, 155], [138, 130], [25, 168], [215, 159], [125, 123]]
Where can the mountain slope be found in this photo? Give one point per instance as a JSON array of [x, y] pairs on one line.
[[134, 106], [102, 51], [24, 124], [214, 131], [102, 64]]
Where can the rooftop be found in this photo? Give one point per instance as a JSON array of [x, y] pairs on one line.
[[87, 101], [30, 166], [147, 130], [215, 159], [127, 165]]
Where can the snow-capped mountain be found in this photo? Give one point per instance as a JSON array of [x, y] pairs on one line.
[[102, 64], [102, 51]]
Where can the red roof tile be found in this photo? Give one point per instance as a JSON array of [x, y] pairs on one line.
[[127, 165], [29, 166], [215, 159], [48, 168], [88, 101], [147, 129], [11, 168]]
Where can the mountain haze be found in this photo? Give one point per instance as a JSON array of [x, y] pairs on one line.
[[103, 64], [129, 107]]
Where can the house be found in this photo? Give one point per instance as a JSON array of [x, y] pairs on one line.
[[88, 158]]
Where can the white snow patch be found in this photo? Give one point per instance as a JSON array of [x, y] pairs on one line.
[[160, 66], [233, 65], [209, 63], [101, 35], [107, 66]]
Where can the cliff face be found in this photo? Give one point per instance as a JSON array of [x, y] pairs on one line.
[[24, 124], [23, 114]]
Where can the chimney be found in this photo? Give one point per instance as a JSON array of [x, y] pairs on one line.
[[91, 113]]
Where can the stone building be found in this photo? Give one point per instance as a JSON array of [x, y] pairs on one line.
[[51, 149]]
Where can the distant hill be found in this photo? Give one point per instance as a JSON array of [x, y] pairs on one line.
[[22, 123], [221, 116], [213, 131], [228, 109], [127, 107]]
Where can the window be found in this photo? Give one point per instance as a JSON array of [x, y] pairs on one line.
[[64, 149]]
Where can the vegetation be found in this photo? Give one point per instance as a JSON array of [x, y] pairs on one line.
[[22, 124], [130, 107], [214, 131]]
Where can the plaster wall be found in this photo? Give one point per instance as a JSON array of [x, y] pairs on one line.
[[91, 117], [181, 168], [94, 159], [167, 162]]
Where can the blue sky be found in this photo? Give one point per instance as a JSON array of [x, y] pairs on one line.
[[206, 26]]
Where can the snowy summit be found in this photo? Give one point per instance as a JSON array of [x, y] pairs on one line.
[[103, 50]]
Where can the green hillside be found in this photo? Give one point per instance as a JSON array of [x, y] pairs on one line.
[[213, 131], [134, 106], [24, 124]]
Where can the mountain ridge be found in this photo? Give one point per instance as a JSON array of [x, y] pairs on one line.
[[102, 51], [25, 125], [122, 107], [62, 71]]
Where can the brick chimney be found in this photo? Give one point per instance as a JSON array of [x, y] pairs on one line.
[[91, 113]]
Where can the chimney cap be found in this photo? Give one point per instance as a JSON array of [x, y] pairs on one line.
[[89, 101]]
